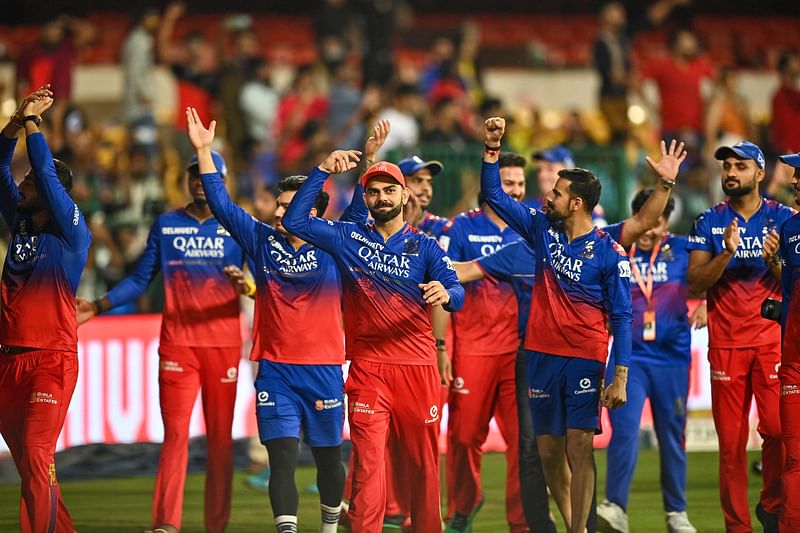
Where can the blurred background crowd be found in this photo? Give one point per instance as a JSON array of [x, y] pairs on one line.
[[288, 82]]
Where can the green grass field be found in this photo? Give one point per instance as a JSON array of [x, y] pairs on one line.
[[122, 505]]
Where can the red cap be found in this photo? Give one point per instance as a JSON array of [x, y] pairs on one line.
[[383, 168]]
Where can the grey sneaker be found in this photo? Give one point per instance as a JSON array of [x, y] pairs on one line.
[[611, 518]]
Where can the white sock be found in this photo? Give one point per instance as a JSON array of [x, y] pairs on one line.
[[286, 523], [330, 518]]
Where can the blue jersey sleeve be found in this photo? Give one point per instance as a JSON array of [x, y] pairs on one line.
[[9, 195], [615, 230], [318, 231], [134, 285], [440, 268], [450, 239], [520, 218], [357, 210], [700, 237], [63, 209], [617, 301], [505, 262], [239, 223]]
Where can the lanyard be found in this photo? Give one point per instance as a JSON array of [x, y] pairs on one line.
[[647, 289]]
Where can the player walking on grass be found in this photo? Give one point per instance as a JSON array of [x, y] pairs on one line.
[[727, 245], [391, 275], [582, 278], [38, 328], [200, 347]]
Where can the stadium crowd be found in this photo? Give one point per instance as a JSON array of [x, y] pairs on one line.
[[248, 131]]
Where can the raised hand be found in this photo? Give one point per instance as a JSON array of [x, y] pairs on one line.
[[379, 133], [200, 136], [770, 250], [37, 105], [40, 93], [731, 237], [667, 167], [494, 128], [340, 161]]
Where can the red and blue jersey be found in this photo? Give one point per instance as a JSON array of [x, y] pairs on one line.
[[297, 290], [201, 307], [790, 283], [578, 284], [672, 344], [432, 224], [734, 302], [487, 325], [386, 319], [43, 264], [515, 264]]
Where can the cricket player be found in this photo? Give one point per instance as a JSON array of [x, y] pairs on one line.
[[582, 278], [200, 346], [789, 254], [726, 245], [659, 370], [419, 176], [486, 340], [38, 328], [391, 275]]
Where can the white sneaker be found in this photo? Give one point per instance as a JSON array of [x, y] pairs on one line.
[[611, 518], [678, 522]]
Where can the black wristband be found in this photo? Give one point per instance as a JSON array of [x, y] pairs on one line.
[[36, 119], [440, 343], [98, 305], [492, 149]]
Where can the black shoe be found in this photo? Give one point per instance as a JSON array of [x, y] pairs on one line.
[[756, 466], [768, 520]]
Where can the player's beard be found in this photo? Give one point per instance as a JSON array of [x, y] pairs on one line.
[[741, 190], [385, 216], [30, 209]]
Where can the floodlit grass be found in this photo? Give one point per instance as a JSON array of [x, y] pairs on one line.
[[121, 505]]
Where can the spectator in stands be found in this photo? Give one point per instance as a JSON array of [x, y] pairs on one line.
[[235, 72], [728, 118], [469, 69], [138, 55], [305, 102], [446, 127], [51, 60], [612, 60], [443, 52], [335, 31], [402, 114], [785, 119], [350, 105], [194, 63], [379, 24], [258, 101], [679, 78]]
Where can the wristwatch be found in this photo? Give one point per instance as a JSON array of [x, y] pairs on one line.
[[667, 184], [36, 119]]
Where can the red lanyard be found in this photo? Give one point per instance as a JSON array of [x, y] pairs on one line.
[[647, 289]]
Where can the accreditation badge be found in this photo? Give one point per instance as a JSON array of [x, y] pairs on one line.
[[649, 325]]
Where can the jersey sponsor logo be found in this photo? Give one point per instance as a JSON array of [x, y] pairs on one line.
[[586, 387], [361, 407], [197, 247], [448, 263], [289, 263], [411, 246], [458, 386], [222, 231], [563, 263], [434, 414], [230, 375], [790, 389], [397, 266], [719, 375], [794, 238], [535, 394], [444, 240], [360, 238], [749, 247], [624, 268], [42, 397], [485, 238], [262, 399], [660, 273], [170, 230], [777, 369], [322, 405], [76, 215], [170, 366], [24, 247]]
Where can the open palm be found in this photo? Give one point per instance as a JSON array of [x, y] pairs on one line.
[[199, 135], [667, 167]]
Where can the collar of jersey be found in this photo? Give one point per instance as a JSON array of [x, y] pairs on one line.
[[378, 237]]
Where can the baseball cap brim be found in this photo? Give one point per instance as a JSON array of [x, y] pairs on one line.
[[388, 170], [434, 166], [793, 160], [724, 152]]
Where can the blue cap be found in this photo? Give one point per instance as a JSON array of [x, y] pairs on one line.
[[412, 165], [741, 150], [793, 160], [219, 162], [556, 154]]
